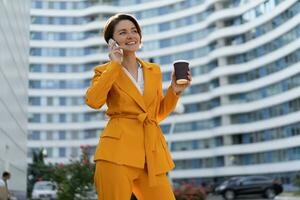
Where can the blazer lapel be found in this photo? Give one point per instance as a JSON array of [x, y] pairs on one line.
[[129, 88], [150, 82]]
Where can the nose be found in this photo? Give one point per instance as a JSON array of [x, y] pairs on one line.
[[130, 35]]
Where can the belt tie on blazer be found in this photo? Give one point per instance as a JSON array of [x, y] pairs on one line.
[[151, 140]]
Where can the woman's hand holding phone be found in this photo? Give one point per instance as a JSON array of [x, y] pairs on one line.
[[115, 51]]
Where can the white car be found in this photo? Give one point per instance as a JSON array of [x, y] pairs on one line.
[[44, 190]]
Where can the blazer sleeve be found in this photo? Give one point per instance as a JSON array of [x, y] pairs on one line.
[[167, 102], [101, 83]]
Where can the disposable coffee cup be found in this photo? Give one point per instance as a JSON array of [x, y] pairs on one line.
[[181, 68]]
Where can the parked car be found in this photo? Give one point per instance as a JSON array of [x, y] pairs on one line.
[[251, 185], [91, 194], [44, 190]]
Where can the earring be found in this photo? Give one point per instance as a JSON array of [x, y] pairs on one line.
[[141, 45]]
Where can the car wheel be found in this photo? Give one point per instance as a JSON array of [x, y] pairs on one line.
[[229, 195], [270, 193]]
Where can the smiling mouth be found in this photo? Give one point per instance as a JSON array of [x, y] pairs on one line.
[[130, 43]]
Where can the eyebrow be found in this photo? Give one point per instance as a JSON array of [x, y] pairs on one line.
[[123, 29]]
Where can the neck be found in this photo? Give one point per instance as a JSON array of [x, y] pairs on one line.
[[129, 61]]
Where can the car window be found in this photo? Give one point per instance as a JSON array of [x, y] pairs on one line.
[[262, 179], [43, 186], [253, 180], [248, 180]]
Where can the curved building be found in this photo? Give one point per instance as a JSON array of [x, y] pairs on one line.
[[242, 112], [14, 52]]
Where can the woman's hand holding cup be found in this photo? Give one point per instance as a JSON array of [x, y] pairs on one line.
[[181, 76]]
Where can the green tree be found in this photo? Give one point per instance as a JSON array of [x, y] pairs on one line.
[[37, 170], [76, 179]]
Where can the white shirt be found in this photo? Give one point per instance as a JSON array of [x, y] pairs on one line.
[[2, 183], [139, 84]]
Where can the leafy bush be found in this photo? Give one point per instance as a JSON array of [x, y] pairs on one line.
[[74, 179], [189, 192]]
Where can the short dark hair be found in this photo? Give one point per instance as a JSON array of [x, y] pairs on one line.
[[109, 27], [5, 174]]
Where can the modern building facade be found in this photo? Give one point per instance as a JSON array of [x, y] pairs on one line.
[[14, 62], [241, 113]]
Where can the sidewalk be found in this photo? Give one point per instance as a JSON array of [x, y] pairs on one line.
[[280, 197], [287, 197]]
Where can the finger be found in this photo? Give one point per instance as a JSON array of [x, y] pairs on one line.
[[110, 41], [110, 44], [109, 47], [117, 51], [117, 48], [113, 47], [173, 75], [120, 51]]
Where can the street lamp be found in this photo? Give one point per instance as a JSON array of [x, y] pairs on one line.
[[179, 109], [44, 152]]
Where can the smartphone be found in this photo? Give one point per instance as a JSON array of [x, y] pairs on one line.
[[112, 41]]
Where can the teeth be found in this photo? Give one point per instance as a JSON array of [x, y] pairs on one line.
[[131, 43]]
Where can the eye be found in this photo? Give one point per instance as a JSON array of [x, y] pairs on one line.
[[122, 33]]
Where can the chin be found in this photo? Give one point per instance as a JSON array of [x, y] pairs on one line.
[[131, 49]]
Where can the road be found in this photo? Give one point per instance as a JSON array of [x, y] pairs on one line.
[[254, 198]]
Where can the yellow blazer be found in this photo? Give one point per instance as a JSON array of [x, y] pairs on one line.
[[132, 136]]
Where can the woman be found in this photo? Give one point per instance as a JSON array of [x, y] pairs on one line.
[[132, 155]]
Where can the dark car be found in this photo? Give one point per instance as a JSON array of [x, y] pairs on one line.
[[251, 185]]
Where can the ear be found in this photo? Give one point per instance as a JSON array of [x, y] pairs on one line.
[[141, 45]]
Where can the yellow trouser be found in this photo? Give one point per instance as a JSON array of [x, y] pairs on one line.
[[117, 182]]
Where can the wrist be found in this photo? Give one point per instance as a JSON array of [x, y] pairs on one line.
[[178, 93], [114, 59], [175, 91]]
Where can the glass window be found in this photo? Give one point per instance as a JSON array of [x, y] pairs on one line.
[[38, 4], [35, 117], [165, 128], [35, 101], [62, 101], [62, 152], [49, 135], [49, 101], [164, 26], [49, 152], [74, 152], [74, 135], [62, 117], [62, 135], [36, 135]]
